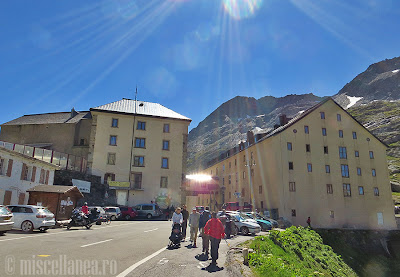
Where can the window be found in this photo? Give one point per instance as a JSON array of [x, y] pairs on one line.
[[140, 143], [324, 132], [230, 165], [223, 168], [109, 177], [292, 186], [138, 161], [358, 171], [252, 172], [290, 165], [164, 163], [262, 205], [113, 140], [309, 167], [327, 169], [243, 191], [354, 135], [373, 172], [322, 115], [137, 180], [332, 214], [229, 179], [114, 123], [342, 152], [2, 166], [329, 189], [346, 190], [237, 177], [345, 170], [308, 148], [360, 190], [164, 182], [371, 154], [82, 142], [111, 158], [376, 191], [235, 162], [260, 189], [244, 175], [339, 117], [356, 154], [293, 212], [165, 145], [24, 172], [42, 176], [251, 155], [141, 125], [289, 146], [340, 133], [325, 149], [166, 128], [306, 129]]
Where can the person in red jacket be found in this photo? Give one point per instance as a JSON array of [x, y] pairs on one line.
[[85, 209], [215, 230]]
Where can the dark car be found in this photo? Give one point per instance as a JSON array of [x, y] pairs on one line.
[[128, 213]]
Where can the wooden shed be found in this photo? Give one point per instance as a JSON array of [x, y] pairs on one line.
[[60, 200]]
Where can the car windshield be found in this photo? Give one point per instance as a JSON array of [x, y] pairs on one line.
[[4, 211]]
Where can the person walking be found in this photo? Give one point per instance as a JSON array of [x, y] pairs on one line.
[[185, 215], [194, 220], [177, 217], [215, 230], [309, 222], [204, 217]]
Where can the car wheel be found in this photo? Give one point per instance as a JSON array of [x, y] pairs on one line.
[[148, 216], [127, 217], [2, 233], [27, 226], [88, 226], [244, 230], [236, 231], [42, 229], [113, 217]]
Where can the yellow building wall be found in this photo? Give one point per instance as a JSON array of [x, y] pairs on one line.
[[153, 154]]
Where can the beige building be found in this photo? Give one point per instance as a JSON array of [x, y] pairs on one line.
[[65, 132], [321, 164], [139, 148]]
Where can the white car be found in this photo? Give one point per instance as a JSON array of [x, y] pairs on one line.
[[29, 218], [244, 225], [6, 220]]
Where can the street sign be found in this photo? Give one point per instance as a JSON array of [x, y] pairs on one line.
[[237, 194]]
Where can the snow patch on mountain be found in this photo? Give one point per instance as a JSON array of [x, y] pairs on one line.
[[395, 71], [353, 100]]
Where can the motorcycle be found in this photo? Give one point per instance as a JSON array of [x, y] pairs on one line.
[[79, 219]]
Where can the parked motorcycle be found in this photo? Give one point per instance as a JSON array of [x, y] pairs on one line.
[[79, 219]]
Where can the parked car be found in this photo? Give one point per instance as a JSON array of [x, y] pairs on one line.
[[101, 214], [265, 224], [128, 213], [6, 220], [234, 206], [245, 225], [29, 218], [113, 213], [148, 210]]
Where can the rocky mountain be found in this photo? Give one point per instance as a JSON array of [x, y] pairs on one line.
[[373, 97], [229, 123]]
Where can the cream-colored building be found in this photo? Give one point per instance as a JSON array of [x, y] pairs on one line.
[[322, 164], [139, 148]]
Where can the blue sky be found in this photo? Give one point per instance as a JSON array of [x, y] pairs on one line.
[[189, 55]]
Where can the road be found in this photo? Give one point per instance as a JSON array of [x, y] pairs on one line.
[[124, 248]]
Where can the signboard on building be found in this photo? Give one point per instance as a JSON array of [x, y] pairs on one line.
[[119, 185], [83, 186]]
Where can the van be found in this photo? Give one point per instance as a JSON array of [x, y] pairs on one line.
[[148, 210]]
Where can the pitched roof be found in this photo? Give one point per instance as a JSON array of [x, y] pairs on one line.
[[49, 118], [129, 106], [53, 189], [15, 153]]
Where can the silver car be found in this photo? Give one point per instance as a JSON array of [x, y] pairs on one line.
[[113, 213], [148, 210], [29, 217], [6, 220]]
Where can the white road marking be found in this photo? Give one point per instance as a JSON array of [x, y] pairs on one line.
[[67, 232], [86, 245], [151, 230], [163, 261], [134, 266]]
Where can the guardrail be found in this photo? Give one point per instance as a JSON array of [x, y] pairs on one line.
[[63, 160]]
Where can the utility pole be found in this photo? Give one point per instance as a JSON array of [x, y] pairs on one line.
[[250, 164]]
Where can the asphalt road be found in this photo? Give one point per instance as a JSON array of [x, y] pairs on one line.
[[133, 248]]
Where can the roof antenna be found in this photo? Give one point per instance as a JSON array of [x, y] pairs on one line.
[[136, 94]]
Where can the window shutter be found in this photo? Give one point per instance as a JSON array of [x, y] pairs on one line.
[[47, 177], [33, 174], [23, 171], [9, 169]]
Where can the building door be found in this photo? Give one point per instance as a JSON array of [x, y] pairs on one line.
[[7, 197], [380, 218], [121, 197], [21, 198]]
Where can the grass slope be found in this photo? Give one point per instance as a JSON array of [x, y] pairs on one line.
[[297, 251]]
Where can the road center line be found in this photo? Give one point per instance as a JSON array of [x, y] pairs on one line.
[[86, 245], [151, 230]]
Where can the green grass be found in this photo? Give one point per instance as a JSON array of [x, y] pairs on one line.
[[297, 251]]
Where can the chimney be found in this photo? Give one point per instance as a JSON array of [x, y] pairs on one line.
[[73, 113], [250, 137], [283, 119]]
